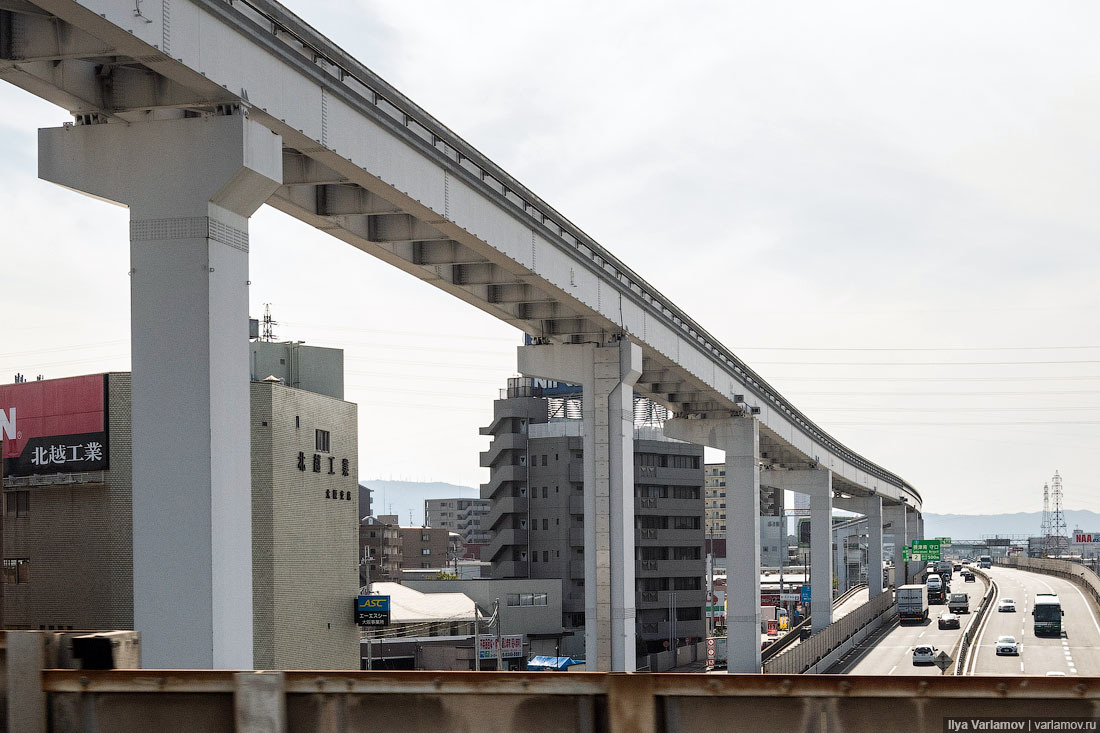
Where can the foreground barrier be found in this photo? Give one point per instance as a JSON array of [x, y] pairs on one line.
[[205, 701]]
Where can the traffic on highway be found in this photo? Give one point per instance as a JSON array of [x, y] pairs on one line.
[[891, 650], [1036, 625]]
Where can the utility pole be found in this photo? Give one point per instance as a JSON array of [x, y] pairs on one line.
[[496, 614], [477, 639]]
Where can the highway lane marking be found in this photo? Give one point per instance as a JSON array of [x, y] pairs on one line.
[[1088, 606]]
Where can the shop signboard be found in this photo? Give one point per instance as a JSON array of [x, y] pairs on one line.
[[55, 426]]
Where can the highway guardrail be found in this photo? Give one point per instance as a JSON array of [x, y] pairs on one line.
[[975, 623], [798, 659], [792, 636]]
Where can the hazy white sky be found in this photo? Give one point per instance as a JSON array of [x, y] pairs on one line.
[[888, 209]]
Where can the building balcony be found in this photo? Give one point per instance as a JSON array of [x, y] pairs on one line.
[[658, 630], [502, 507], [576, 536], [668, 537], [659, 474], [501, 443], [506, 538], [669, 568], [576, 472], [680, 507], [576, 568], [501, 475], [660, 598], [576, 504]]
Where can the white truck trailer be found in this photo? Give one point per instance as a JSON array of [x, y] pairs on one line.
[[912, 603]]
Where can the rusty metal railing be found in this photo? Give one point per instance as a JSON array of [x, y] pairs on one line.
[[400, 702]]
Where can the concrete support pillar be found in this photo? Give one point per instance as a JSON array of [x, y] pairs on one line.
[[894, 515], [817, 483], [607, 375], [870, 507], [873, 512], [190, 184], [739, 437], [915, 522]]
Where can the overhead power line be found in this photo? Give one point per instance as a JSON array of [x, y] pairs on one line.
[[925, 363]]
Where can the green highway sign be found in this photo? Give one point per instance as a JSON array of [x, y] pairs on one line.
[[944, 541], [929, 550]]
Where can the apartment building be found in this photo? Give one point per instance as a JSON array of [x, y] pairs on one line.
[[459, 514], [536, 486]]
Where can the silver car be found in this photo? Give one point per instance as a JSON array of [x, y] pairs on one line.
[[1007, 645], [1006, 604], [924, 654]]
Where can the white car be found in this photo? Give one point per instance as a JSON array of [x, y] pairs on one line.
[[1006, 604], [1007, 645], [924, 654]]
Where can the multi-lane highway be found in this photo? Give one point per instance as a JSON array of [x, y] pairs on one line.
[[890, 651], [1076, 652]]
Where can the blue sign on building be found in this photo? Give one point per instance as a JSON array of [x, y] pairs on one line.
[[805, 594], [372, 611]]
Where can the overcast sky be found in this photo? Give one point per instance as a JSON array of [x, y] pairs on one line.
[[888, 209]]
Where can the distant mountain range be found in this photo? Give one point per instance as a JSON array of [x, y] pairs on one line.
[[976, 526], [406, 498]]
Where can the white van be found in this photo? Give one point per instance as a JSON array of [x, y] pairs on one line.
[[935, 582]]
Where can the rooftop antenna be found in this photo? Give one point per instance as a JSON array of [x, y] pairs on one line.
[[1057, 519], [268, 334]]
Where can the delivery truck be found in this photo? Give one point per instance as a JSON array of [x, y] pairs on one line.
[[912, 603]]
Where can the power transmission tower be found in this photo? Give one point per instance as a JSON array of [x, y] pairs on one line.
[[1057, 519], [1044, 529], [268, 334]]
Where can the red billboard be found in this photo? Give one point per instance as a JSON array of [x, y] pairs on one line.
[[54, 426]]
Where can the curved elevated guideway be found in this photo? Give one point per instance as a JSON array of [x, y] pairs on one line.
[[196, 112]]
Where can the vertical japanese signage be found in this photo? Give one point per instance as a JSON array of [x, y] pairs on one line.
[[55, 426]]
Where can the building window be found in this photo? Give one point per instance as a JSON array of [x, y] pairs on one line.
[[544, 459], [17, 570], [535, 557], [425, 551], [323, 441], [546, 524], [546, 556], [526, 599], [425, 537], [18, 503]]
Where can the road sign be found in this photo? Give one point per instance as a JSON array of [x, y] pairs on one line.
[[943, 660], [944, 541], [904, 554], [929, 550], [805, 594], [372, 611], [915, 558]]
